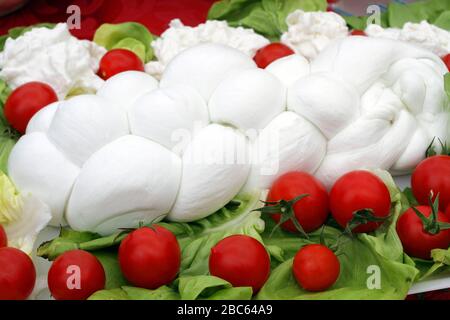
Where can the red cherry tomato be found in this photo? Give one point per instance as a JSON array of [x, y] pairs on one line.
[[447, 212], [241, 260], [150, 257], [25, 101], [119, 60], [274, 51], [17, 274], [316, 267], [359, 190], [3, 238], [358, 33], [447, 61], [311, 211], [432, 174], [75, 275], [416, 241]]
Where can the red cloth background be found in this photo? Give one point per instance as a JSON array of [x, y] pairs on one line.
[[155, 14]]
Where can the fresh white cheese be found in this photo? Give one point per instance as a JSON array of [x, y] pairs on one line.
[[215, 168], [311, 32], [422, 34], [125, 88], [52, 56], [325, 101], [129, 181], [179, 37], [402, 104], [288, 143], [169, 116], [84, 124], [289, 69], [41, 121], [204, 66], [36, 166], [248, 99]]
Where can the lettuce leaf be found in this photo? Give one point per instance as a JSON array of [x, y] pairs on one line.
[[22, 216], [186, 288], [8, 136], [266, 17], [436, 12], [443, 20], [381, 250], [416, 12], [132, 36]]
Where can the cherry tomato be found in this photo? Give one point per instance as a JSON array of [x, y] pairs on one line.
[[311, 211], [316, 267], [150, 257], [447, 61], [359, 190], [75, 275], [17, 274], [119, 60], [241, 260], [25, 101], [447, 212], [358, 33], [3, 238], [274, 51], [416, 241], [432, 174]]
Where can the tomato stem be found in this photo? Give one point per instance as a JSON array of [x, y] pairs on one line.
[[362, 216], [286, 211], [431, 224], [431, 150]]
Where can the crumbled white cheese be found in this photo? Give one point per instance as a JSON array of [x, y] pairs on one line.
[[311, 32], [52, 56], [422, 34], [179, 37]]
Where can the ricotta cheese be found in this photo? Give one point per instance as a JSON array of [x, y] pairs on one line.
[[423, 34], [52, 56], [311, 32]]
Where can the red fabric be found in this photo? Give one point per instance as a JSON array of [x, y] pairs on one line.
[[155, 14]]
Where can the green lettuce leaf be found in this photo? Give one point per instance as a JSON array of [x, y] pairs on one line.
[[434, 11], [71, 240], [447, 84], [416, 12], [186, 288], [266, 17], [8, 136], [443, 20], [132, 36], [439, 263], [360, 23], [381, 250], [110, 263]]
